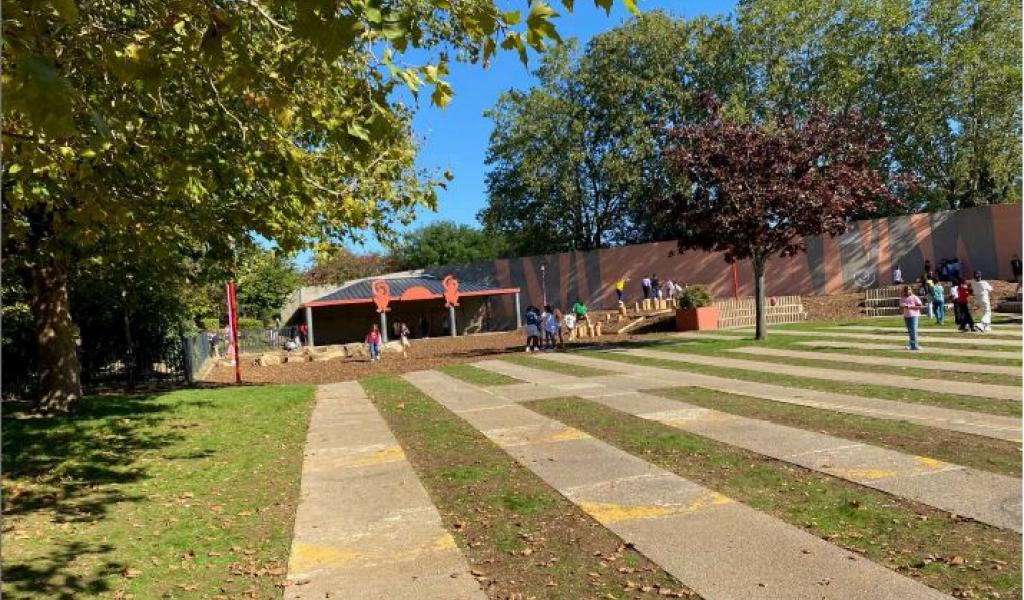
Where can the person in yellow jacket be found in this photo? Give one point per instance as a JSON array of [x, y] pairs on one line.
[[620, 287]]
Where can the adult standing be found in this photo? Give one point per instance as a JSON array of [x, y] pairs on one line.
[[911, 306], [983, 291], [645, 285]]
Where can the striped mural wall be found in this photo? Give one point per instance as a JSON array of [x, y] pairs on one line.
[[983, 238]]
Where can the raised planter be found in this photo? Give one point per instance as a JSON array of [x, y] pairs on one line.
[[697, 319]]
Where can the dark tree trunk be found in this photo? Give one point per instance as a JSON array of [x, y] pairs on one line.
[[60, 385], [762, 319]]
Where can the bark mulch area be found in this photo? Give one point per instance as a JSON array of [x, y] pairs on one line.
[[425, 354]]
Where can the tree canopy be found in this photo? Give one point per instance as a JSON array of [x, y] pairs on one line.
[[445, 243], [176, 128], [575, 161]]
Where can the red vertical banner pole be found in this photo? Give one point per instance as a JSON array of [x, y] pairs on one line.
[[233, 317], [735, 281]]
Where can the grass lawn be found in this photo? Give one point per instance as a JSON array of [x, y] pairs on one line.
[[998, 456], [522, 538], [950, 555], [971, 403], [184, 494], [556, 367], [476, 375]]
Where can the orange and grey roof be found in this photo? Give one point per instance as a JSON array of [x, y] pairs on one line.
[[420, 287]]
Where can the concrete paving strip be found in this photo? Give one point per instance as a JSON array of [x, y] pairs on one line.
[[983, 424], [986, 497], [963, 388], [365, 526], [883, 361], [711, 543], [967, 339], [948, 352], [1010, 335]]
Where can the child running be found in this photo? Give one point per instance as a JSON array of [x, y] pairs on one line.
[[911, 306], [373, 342]]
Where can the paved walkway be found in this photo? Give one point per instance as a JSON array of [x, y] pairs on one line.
[[993, 426], [365, 526], [1011, 335], [926, 352], [963, 388], [968, 339], [980, 495], [883, 361], [718, 547]]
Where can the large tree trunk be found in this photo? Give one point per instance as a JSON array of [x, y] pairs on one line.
[[59, 383], [762, 319]]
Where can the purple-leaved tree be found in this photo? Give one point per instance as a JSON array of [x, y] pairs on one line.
[[756, 190]]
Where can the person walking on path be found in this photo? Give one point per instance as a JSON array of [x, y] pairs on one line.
[[983, 291], [1015, 268], [938, 302], [911, 306], [373, 343], [532, 329], [645, 285], [620, 287], [963, 296]]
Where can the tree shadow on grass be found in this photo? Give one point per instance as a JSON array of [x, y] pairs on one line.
[[72, 469]]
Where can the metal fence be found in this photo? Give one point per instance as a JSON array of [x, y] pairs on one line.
[[129, 366]]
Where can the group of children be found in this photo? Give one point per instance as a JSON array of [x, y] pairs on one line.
[[551, 323], [934, 303], [651, 288]]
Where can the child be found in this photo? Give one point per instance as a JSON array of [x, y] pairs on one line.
[[620, 287], [570, 323], [373, 341], [983, 290], [532, 329], [897, 276], [938, 302], [559, 320], [963, 296], [550, 324], [911, 306], [580, 310], [403, 333]]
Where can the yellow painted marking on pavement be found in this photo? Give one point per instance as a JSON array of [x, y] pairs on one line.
[[445, 542], [521, 438], [711, 416], [389, 454], [307, 557], [923, 463], [607, 512], [861, 474]]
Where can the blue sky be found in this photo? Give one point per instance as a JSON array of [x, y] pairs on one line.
[[456, 137]]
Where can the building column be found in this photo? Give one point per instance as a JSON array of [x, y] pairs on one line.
[[452, 327], [309, 326], [384, 327], [519, 312]]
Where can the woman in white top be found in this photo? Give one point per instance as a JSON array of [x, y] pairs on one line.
[[983, 292]]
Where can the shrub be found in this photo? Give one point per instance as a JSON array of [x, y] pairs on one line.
[[210, 323], [696, 296], [249, 323]]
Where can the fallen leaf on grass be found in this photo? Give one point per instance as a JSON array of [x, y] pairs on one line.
[[130, 573]]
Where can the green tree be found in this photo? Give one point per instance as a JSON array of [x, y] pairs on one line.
[[445, 243], [265, 279], [943, 76], [575, 162], [170, 128]]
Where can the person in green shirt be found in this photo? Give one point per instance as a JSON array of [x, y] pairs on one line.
[[580, 310]]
